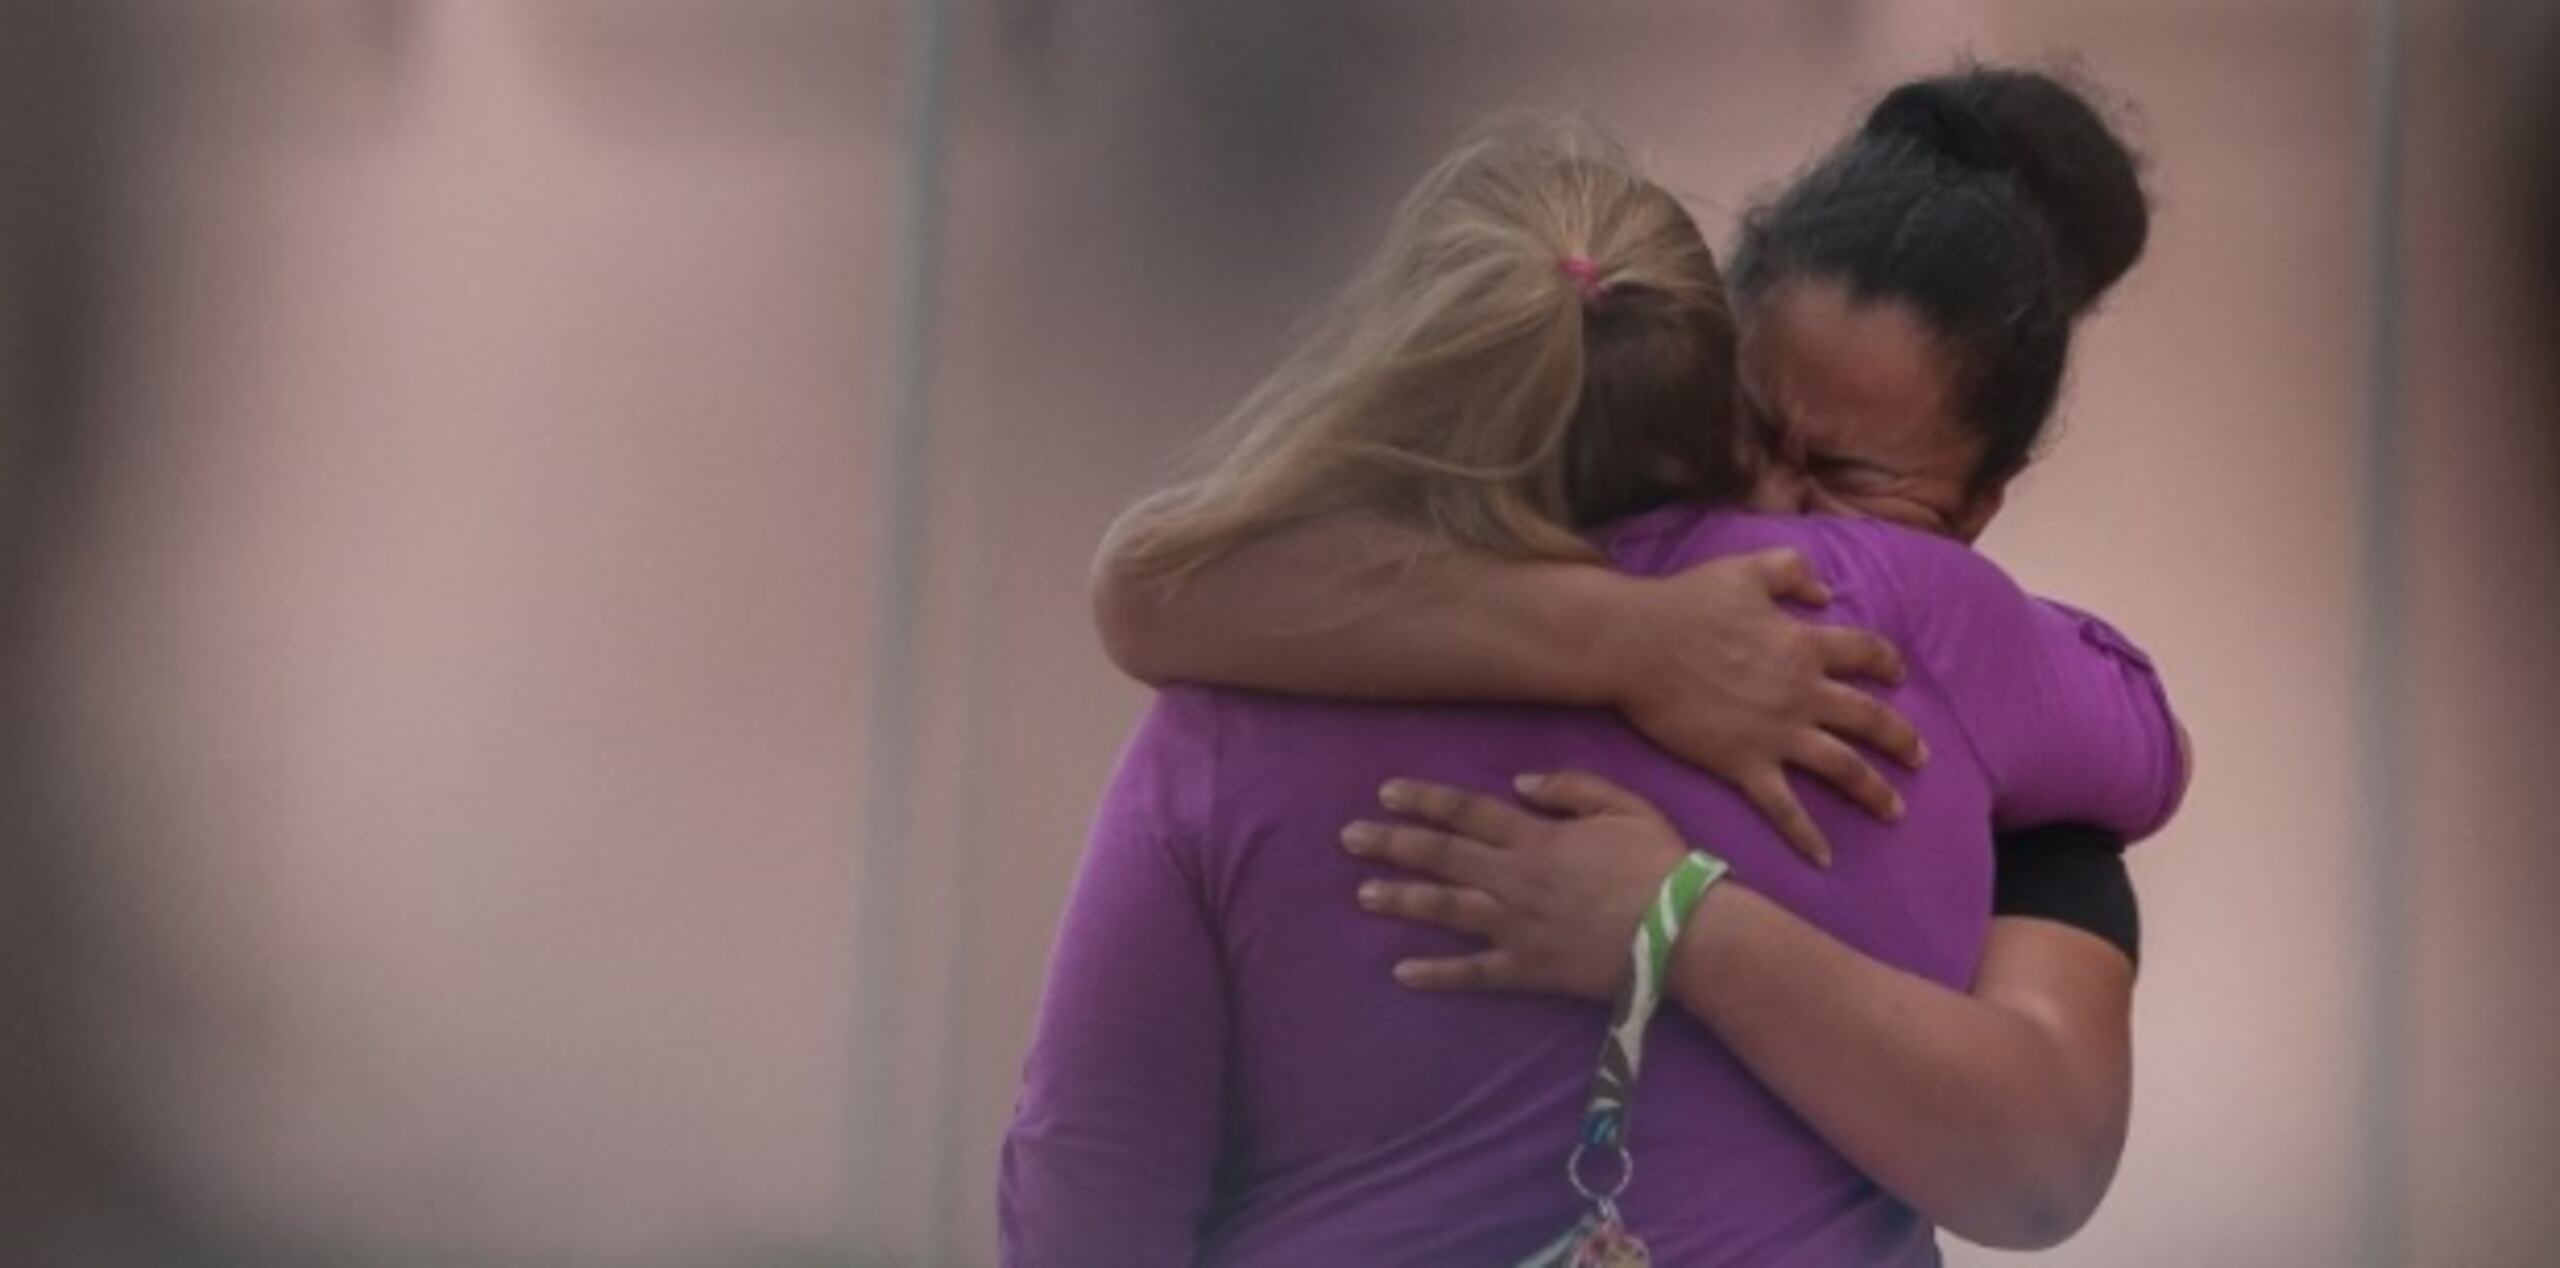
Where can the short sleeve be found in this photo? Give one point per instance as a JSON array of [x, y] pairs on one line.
[[1118, 1130], [2067, 716], [2070, 875]]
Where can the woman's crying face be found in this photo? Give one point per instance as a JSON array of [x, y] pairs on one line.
[[1848, 409]]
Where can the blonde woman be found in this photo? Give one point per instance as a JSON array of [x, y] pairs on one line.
[[1537, 367]]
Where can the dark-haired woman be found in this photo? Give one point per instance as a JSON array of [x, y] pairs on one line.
[[1908, 306]]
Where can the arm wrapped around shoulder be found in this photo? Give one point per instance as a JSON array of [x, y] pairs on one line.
[[2068, 717]]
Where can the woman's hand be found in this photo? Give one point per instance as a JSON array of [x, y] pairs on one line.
[[1999, 1115], [1558, 900], [1710, 667]]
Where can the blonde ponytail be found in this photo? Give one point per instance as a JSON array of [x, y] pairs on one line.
[[1543, 337]]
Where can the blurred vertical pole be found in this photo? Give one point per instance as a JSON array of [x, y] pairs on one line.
[[77, 1184], [2381, 757], [899, 488]]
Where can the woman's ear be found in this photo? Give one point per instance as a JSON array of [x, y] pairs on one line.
[[1977, 513]]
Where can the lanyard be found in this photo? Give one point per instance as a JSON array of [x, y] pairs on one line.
[[1601, 1239]]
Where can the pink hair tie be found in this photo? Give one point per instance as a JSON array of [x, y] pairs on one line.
[[1585, 275]]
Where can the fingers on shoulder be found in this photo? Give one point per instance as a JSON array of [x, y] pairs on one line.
[[1472, 814], [1849, 652], [1787, 574], [1582, 793], [1770, 794], [1855, 715], [1452, 907], [1483, 971], [1428, 851]]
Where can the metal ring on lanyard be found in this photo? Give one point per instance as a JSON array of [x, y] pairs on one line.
[[1626, 1174]]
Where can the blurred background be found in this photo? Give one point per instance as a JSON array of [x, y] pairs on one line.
[[546, 705]]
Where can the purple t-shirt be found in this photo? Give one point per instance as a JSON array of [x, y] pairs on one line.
[[1224, 1072]]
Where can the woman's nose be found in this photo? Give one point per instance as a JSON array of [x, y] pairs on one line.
[[1781, 490]]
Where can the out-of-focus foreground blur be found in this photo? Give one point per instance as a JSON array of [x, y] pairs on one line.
[[546, 707]]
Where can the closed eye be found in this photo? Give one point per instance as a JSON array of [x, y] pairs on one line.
[[1837, 467]]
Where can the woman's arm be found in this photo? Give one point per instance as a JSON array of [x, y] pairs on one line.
[[1352, 605], [1705, 662], [1116, 1135], [2000, 1115]]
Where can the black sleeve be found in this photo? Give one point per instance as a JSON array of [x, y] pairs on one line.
[[2069, 874]]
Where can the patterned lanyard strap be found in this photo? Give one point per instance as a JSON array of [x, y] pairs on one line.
[[1601, 1239]]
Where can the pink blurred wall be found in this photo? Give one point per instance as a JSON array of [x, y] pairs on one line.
[[467, 671], [465, 661]]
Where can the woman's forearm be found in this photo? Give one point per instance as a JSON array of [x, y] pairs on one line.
[[1705, 662], [1352, 606], [1999, 1115]]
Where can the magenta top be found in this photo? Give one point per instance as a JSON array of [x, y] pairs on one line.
[[1224, 1072]]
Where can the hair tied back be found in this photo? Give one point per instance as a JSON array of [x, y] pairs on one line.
[[1928, 113], [1586, 277]]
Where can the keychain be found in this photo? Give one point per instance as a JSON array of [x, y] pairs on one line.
[[1611, 1246], [1601, 1240]]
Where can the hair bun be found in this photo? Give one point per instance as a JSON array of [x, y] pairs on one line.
[[1930, 112], [2074, 168]]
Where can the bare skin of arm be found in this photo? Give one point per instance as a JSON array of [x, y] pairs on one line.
[[1351, 606], [2000, 1114], [1705, 662]]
